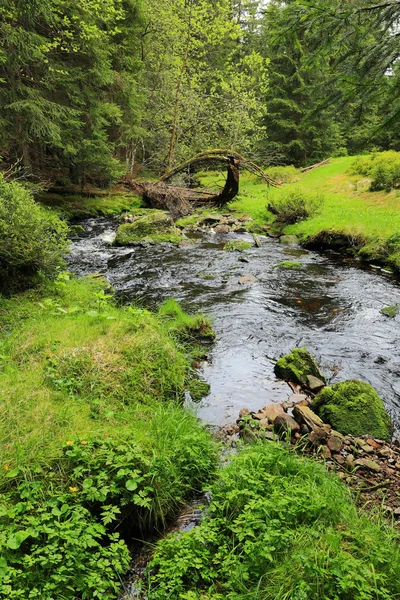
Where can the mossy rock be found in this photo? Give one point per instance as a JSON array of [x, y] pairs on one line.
[[287, 264], [154, 228], [237, 246], [198, 389], [390, 311], [354, 408], [297, 366], [289, 239]]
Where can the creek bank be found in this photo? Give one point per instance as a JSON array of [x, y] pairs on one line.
[[380, 254], [368, 463]]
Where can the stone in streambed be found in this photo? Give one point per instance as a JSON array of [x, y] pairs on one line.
[[297, 366], [237, 246], [353, 407], [304, 414], [154, 227], [285, 423], [245, 279], [367, 463], [271, 411], [288, 264], [314, 384], [390, 311]]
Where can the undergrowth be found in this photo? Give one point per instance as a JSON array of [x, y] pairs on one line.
[[279, 527], [96, 447]]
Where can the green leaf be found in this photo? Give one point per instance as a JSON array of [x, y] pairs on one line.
[[3, 567], [131, 485], [15, 540]]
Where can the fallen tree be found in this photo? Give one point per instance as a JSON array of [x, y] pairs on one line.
[[180, 201]]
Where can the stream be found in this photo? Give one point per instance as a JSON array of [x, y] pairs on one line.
[[331, 305]]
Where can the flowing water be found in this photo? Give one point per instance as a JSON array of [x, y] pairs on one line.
[[330, 305]]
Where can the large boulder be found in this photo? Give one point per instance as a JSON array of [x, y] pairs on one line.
[[353, 407], [154, 227], [297, 366]]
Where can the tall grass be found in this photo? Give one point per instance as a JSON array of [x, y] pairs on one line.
[[279, 527]]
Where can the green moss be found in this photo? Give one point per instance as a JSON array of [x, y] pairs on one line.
[[287, 264], [155, 227], [353, 407], [297, 365], [198, 389], [237, 246], [390, 311]]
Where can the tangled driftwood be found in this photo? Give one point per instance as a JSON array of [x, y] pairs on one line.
[[180, 201]]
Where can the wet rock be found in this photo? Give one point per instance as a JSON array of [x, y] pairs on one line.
[[335, 444], [243, 259], [243, 412], [237, 246], [339, 458], [367, 463], [385, 452], [304, 430], [286, 405], [289, 239], [240, 229], [271, 411], [304, 414], [245, 279], [284, 423], [314, 384], [353, 407], [296, 366], [260, 415], [289, 265], [154, 227]]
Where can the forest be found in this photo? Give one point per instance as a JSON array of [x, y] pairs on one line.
[[199, 299]]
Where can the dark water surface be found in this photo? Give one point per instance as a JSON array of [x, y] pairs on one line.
[[330, 306]]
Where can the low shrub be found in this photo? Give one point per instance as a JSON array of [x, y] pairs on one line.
[[32, 239], [294, 205], [382, 167], [278, 527]]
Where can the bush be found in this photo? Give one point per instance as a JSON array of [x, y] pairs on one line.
[[65, 529], [382, 167], [279, 527], [294, 205], [32, 239]]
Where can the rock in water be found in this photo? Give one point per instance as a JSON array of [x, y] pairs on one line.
[[297, 366], [154, 227], [390, 311], [353, 407]]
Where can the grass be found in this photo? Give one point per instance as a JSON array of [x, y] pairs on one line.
[[76, 365], [367, 221], [279, 527], [94, 436]]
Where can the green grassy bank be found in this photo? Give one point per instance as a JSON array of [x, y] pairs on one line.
[[279, 527], [96, 447], [365, 221]]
